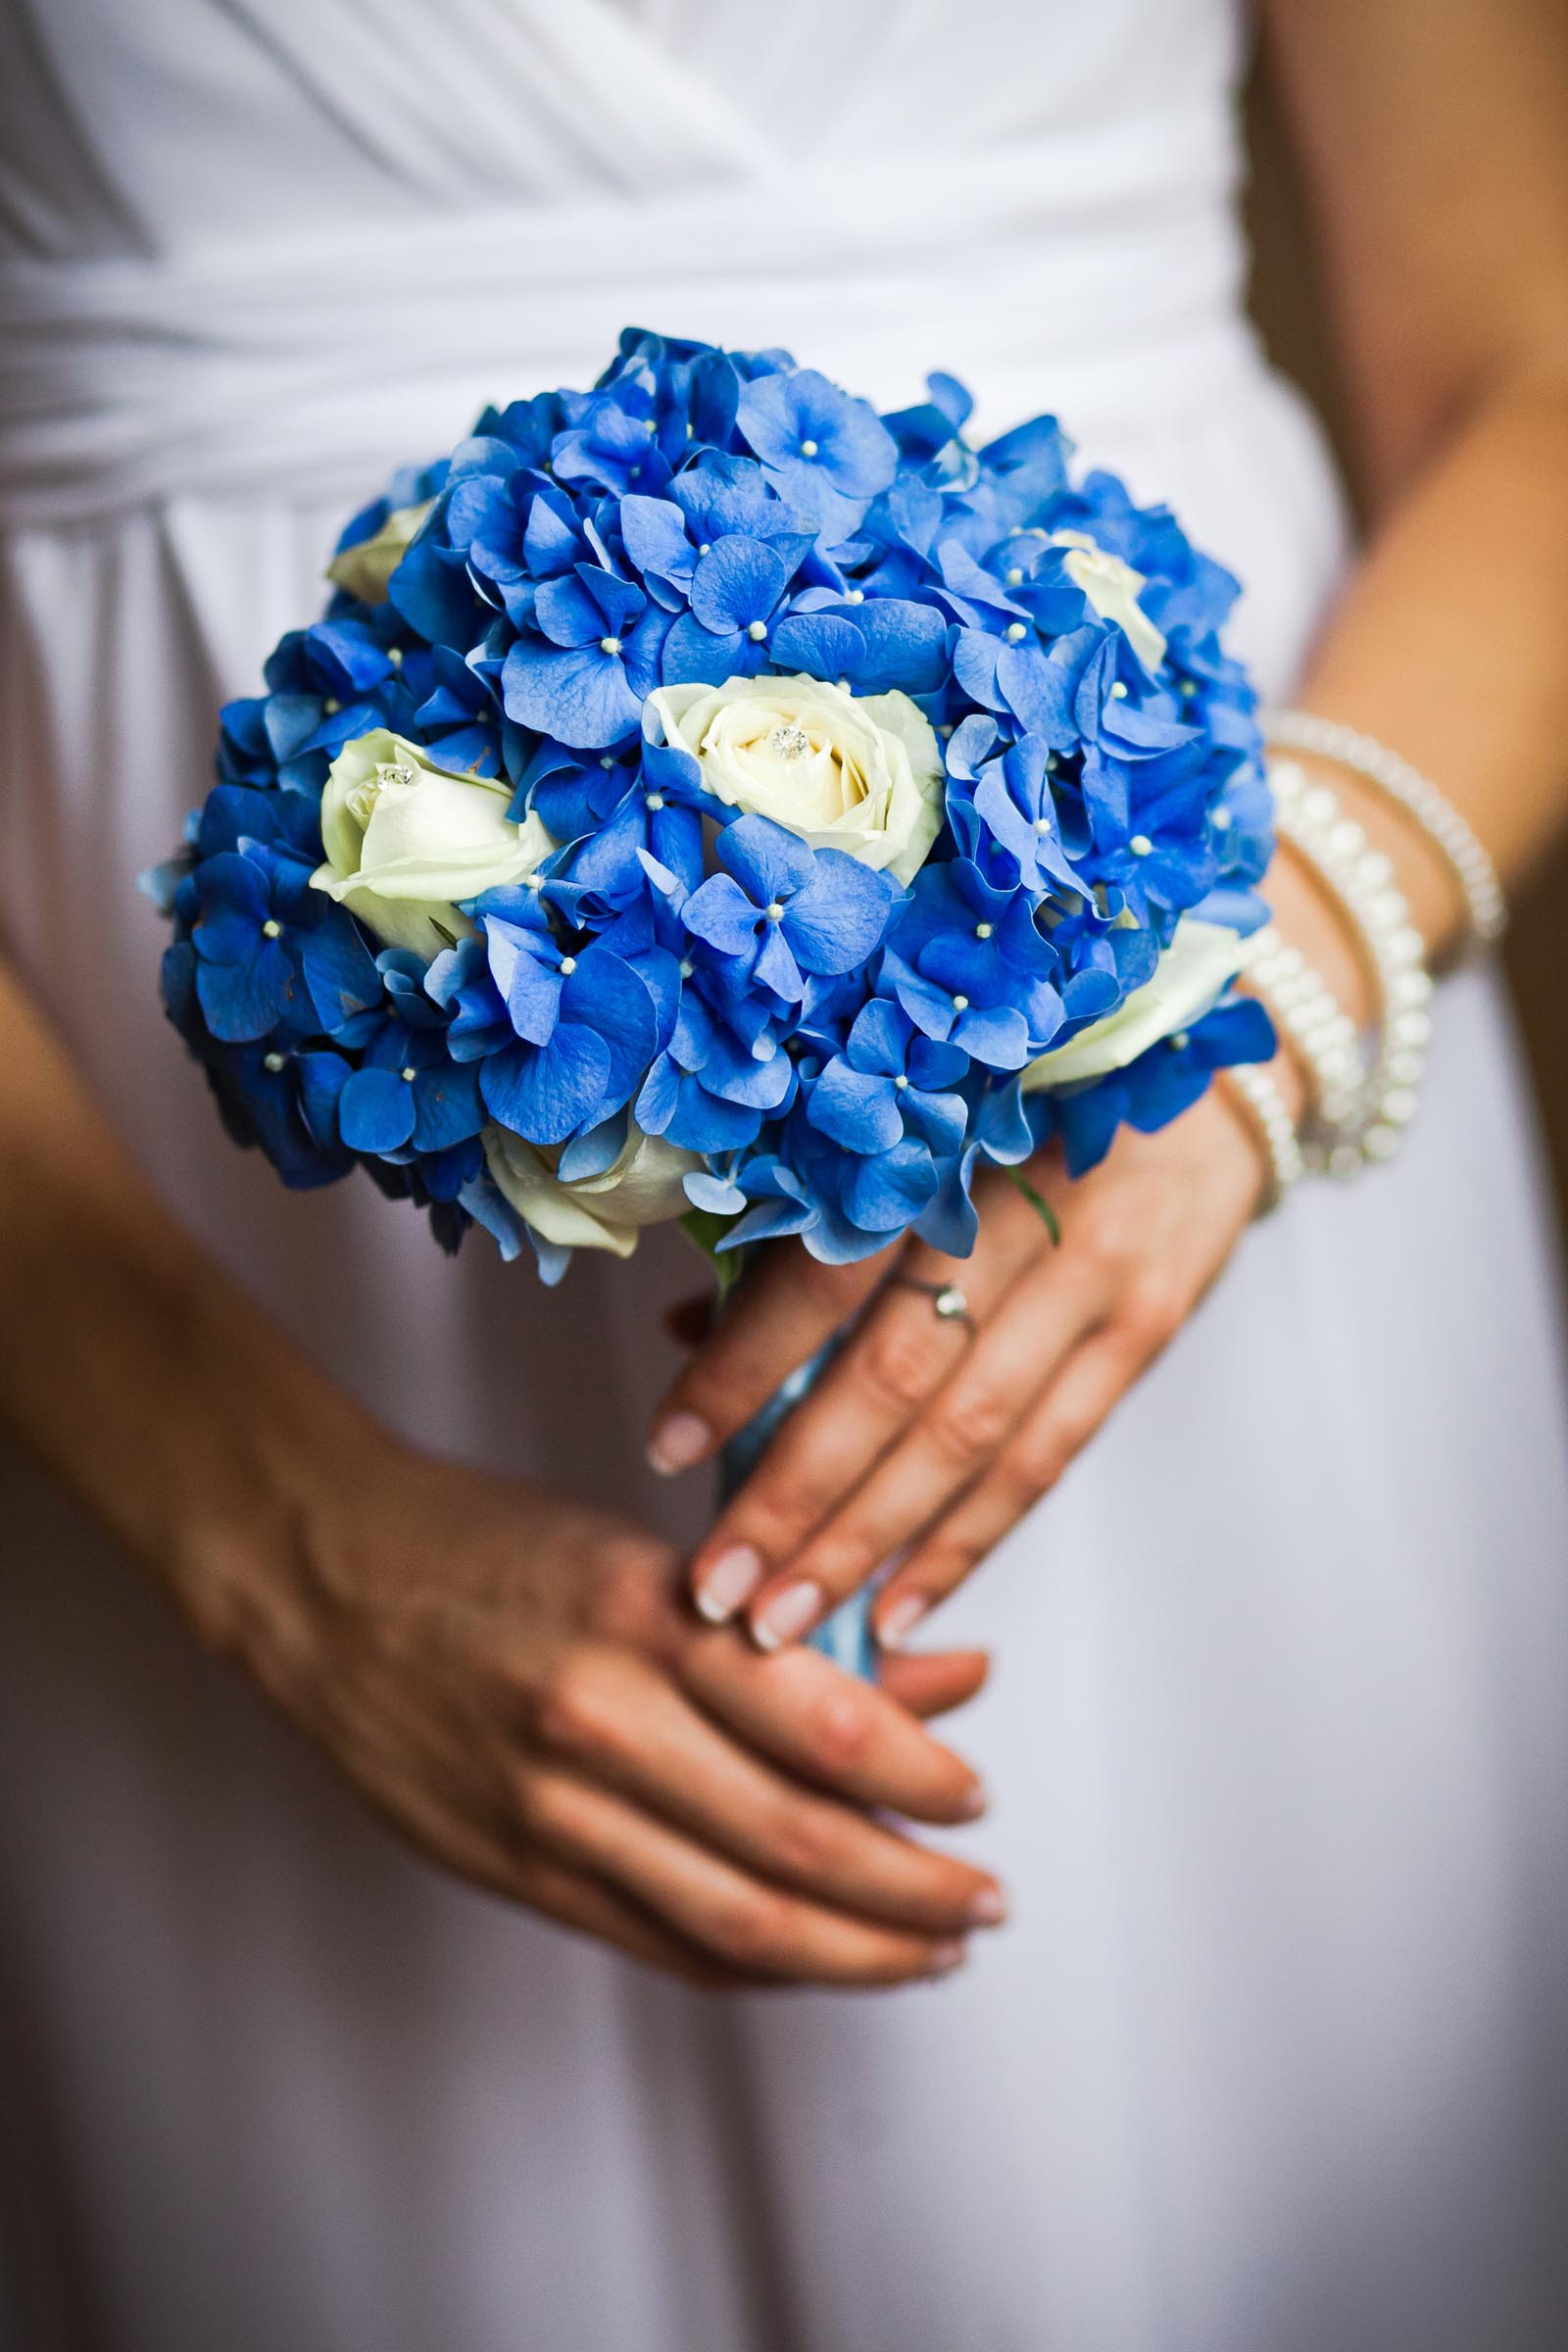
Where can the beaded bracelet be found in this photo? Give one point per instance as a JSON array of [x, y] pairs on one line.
[[1263, 1106], [1438, 819], [1305, 1009], [1310, 817]]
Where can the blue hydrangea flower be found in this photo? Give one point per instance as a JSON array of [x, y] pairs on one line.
[[272, 954], [889, 1083], [968, 962], [780, 911]]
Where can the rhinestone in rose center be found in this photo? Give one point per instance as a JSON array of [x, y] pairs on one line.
[[789, 742]]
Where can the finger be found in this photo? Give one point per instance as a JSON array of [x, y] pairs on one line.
[[885, 1374], [580, 1902], [831, 1728], [725, 1911], [933, 1681], [953, 1442], [1075, 1405], [616, 1719], [446, 1835], [780, 1316]]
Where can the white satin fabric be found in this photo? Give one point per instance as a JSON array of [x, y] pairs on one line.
[[1271, 2057]]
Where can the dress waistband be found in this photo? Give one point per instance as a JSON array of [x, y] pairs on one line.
[[1094, 276]]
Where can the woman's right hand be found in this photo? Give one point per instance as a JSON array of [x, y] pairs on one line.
[[516, 1684], [512, 1680]]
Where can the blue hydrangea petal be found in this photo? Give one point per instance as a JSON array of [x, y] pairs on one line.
[[693, 656], [375, 1112], [608, 996], [567, 613], [938, 1119], [837, 921], [995, 1034], [819, 645], [855, 1108], [737, 582], [704, 1122], [879, 1038], [767, 862], [447, 1109], [886, 1194], [721, 912], [933, 1064], [339, 969], [242, 1001], [654, 533], [657, 1096], [321, 1079], [580, 697], [542, 1093], [906, 647]]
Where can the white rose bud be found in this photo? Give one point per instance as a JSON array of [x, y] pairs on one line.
[[365, 567], [860, 773], [643, 1186], [404, 840], [1201, 961], [1111, 587]]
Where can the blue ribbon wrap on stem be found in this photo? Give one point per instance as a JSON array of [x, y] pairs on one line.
[[846, 1637]]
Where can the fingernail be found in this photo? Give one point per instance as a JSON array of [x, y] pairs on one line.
[[973, 1803], [987, 1909], [679, 1443], [898, 1620], [729, 1581], [947, 1956], [790, 1611]]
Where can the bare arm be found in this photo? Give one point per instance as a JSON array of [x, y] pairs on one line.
[[1432, 133]]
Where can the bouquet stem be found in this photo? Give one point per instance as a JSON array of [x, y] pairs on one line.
[[845, 1637]]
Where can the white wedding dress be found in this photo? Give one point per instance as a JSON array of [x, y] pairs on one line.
[[1271, 2059]]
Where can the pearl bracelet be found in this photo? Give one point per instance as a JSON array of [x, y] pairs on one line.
[[1263, 1106], [1305, 1009], [1439, 820], [1361, 878]]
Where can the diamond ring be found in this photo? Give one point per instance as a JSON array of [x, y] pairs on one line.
[[948, 1302]]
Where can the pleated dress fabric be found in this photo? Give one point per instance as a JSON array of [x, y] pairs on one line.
[[1271, 2059]]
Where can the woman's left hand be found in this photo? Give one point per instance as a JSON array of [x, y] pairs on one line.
[[929, 1437]]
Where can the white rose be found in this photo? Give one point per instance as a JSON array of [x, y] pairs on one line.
[[641, 1186], [1198, 962], [860, 773], [404, 839], [365, 567], [1111, 587]]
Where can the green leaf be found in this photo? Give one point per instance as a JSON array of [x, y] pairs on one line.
[[707, 1229], [1038, 1202]]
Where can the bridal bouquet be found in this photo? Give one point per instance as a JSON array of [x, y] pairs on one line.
[[704, 798]]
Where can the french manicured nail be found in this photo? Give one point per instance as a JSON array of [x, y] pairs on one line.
[[788, 1614], [729, 1581], [987, 1909], [679, 1443], [947, 1956], [898, 1620]]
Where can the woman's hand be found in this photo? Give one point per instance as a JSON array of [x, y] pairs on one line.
[[925, 1436], [514, 1683], [511, 1679]]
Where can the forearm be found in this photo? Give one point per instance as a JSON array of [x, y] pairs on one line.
[[130, 1365], [1447, 644]]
